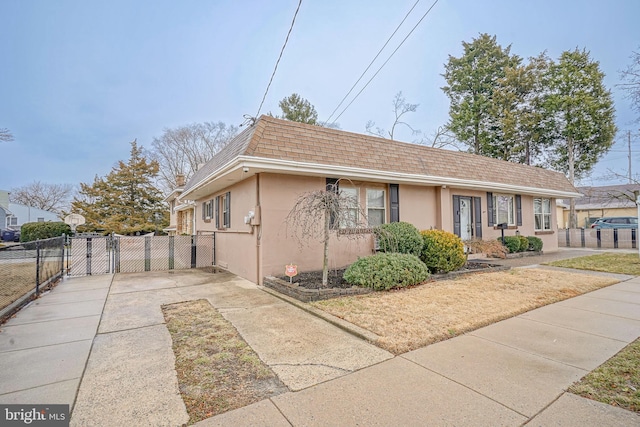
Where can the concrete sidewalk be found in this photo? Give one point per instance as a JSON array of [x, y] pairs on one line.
[[513, 372], [509, 373], [45, 347]]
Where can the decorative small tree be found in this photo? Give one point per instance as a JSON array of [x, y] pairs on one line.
[[316, 214]]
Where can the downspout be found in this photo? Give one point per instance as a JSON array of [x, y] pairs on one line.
[[258, 234]]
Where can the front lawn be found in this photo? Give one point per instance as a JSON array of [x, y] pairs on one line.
[[411, 318], [615, 382], [622, 263]]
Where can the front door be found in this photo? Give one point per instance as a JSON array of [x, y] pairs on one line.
[[466, 221]]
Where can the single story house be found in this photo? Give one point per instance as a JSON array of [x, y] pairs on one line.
[[600, 201], [245, 192]]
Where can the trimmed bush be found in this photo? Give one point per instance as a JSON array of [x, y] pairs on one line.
[[43, 230], [401, 237], [511, 242], [442, 251], [524, 243], [384, 271], [535, 243]]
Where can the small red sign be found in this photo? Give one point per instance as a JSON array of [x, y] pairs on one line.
[[290, 270]]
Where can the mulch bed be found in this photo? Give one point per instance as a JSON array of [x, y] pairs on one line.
[[313, 279]]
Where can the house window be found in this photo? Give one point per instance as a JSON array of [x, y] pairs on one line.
[[351, 196], [207, 210], [542, 214], [375, 207], [13, 221], [226, 210], [503, 209]]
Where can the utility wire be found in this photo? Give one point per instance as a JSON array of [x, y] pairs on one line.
[[385, 62], [373, 60], [278, 61]]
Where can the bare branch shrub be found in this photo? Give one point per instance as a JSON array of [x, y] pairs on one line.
[[491, 248], [316, 214]]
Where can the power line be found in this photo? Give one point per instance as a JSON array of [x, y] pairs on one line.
[[279, 57], [385, 62], [373, 60]]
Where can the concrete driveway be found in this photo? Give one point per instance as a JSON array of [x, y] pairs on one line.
[[132, 355]]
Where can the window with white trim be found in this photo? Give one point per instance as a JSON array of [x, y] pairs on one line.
[[352, 196], [504, 209], [376, 207], [542, 214]]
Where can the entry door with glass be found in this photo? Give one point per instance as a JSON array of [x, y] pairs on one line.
[[466, 218]]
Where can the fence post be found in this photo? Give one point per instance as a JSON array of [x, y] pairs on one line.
[[633, 238], [172, 250], [89, 245], [37, 267], [615, 238], [68, 252], [147, 253], [582, 241], [214, 248], [193, 250], [115, 247], [566, 233], [598, 237]]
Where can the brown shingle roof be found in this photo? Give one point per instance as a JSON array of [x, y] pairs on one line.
[[278, 139]]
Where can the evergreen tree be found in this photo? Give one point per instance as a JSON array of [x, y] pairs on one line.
[[471, 82], [582, 117], [126, 201], [298, 109]]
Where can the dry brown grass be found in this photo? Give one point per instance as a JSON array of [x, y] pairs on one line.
[[16, 279], [411, 318], [217, 370]]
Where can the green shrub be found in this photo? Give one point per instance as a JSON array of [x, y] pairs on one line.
[[535, 243], [524, 243], [442, 251], [401, 237], [43, 230], [511, 242], [386, 270]]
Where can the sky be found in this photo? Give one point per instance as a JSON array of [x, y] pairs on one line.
[[79, 80]]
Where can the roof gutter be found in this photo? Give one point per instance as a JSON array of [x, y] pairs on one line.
[[292, 167]]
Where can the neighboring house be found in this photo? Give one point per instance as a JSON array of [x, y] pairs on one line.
[[16, 214], [4, 208], [246, 190], [21, 214], [598, 202]]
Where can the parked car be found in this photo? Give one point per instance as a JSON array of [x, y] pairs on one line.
[[616, 222]]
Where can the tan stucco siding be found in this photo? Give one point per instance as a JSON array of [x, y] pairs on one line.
[[418, 205], [236, 247]]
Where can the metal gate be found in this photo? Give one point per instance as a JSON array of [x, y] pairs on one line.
[[129, 254]]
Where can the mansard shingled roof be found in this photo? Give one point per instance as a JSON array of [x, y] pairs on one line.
[[277, 139]]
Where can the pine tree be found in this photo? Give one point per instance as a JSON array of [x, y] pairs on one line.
[[471, 82], [582, 117], [298, 109], [126, 201]]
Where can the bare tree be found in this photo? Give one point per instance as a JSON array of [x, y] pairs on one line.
[[440, 138], [631, 79], [183, 149], [400, 108], [316, 213], [5, 135], [49, 197]]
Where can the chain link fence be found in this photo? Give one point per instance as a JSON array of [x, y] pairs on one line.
[[26, 268], [132, 254]]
